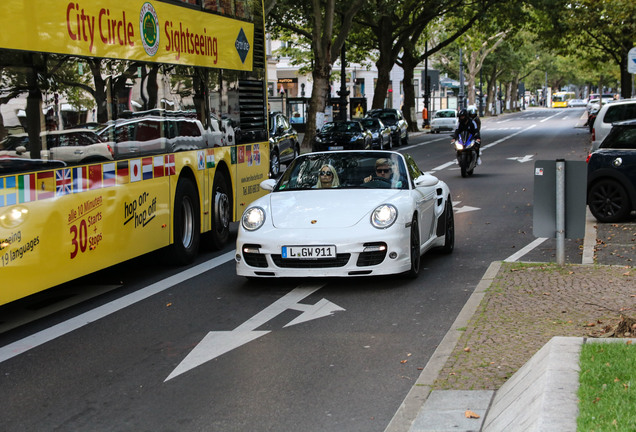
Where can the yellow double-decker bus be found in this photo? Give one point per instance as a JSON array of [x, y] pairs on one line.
[[126, 126], [561, 99]]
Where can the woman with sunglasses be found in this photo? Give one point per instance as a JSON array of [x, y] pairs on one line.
[[327, 177]]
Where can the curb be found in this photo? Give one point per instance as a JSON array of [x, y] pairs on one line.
[[419, 393], [412, 407]]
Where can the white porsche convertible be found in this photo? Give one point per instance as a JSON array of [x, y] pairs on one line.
[[345, 213]]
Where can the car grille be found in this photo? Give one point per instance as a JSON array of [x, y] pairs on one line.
[[255, 260], [340, 261], [371, 258]]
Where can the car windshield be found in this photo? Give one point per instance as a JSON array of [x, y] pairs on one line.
[[341, 127], [370, 123], [445, 114], [353, 170]]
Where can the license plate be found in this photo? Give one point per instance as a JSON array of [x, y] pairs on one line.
[[336, 147], [309, 252]]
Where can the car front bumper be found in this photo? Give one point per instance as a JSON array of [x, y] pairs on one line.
[[370, 252]]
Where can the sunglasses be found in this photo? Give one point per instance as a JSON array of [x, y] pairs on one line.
[[383, 170], [326, 173]]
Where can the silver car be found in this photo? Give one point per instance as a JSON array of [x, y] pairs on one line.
[[444, 120]]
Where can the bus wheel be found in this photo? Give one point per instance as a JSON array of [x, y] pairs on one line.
[[186, 223], [221, 212]]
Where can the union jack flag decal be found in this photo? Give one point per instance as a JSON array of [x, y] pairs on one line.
[[63, 182]]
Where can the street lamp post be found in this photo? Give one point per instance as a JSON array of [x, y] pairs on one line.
[[460, 97], [343, 93]]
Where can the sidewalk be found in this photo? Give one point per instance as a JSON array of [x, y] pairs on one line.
[[499, 362]]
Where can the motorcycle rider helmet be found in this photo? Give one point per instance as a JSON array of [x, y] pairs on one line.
[[472, 111], [462, 115]]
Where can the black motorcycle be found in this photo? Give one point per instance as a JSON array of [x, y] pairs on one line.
[[465, 146]]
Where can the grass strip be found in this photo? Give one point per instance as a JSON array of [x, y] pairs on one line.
[[607, 387]]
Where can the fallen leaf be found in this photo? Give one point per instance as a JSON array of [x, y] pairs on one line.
[[471, 414], [168, 304], [404, 361], [467, 349]]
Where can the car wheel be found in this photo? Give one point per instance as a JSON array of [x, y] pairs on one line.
[[395, 142], [390, 143], [608, 201], [414, 249], [186, 224], [405, 140], [274, 164], [449, 228], [221, 212]]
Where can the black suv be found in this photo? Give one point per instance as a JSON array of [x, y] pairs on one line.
[[283, 142], [611, 174], [394, 119]]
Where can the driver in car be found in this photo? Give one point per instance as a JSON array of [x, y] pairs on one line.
[[383, 170]]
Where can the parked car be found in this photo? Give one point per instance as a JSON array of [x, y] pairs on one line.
[[69, 145], [609, 113], [283, 142], [145, 135], [576, 103], [380, 133], [611, 174], [444, 120], [395, 120], [342, 135], [353, 228]]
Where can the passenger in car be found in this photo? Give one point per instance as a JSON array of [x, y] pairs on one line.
[[327, 177]]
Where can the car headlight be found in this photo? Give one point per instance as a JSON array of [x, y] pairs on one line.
[[253, 218], [384, 216], [318, 139], [375, 134]]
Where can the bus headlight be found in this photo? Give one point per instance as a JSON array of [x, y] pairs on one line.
[[253, 218], [384, 216]]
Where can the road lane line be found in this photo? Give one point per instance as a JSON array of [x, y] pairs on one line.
[[23, 345], [514, 257]]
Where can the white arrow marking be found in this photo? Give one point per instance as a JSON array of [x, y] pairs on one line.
[[213, 345], [526, 158], [465, 209], [309, 312], [217, 343]]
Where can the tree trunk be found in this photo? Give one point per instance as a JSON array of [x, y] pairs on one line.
[[384, 64], [317, 103], [492, 87], [409, 62]]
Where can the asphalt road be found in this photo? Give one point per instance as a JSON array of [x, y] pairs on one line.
[[158, 348]]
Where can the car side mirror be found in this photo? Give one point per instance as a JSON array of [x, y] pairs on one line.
[[20, 150], [426, 180], [268, 184]]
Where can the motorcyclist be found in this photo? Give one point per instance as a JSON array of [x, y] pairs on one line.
[[466, 124], [472, 113]]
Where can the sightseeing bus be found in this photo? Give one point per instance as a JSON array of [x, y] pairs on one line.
[[126, 126], [561, 99]]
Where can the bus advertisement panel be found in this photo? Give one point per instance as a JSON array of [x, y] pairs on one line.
[[110, 150]]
